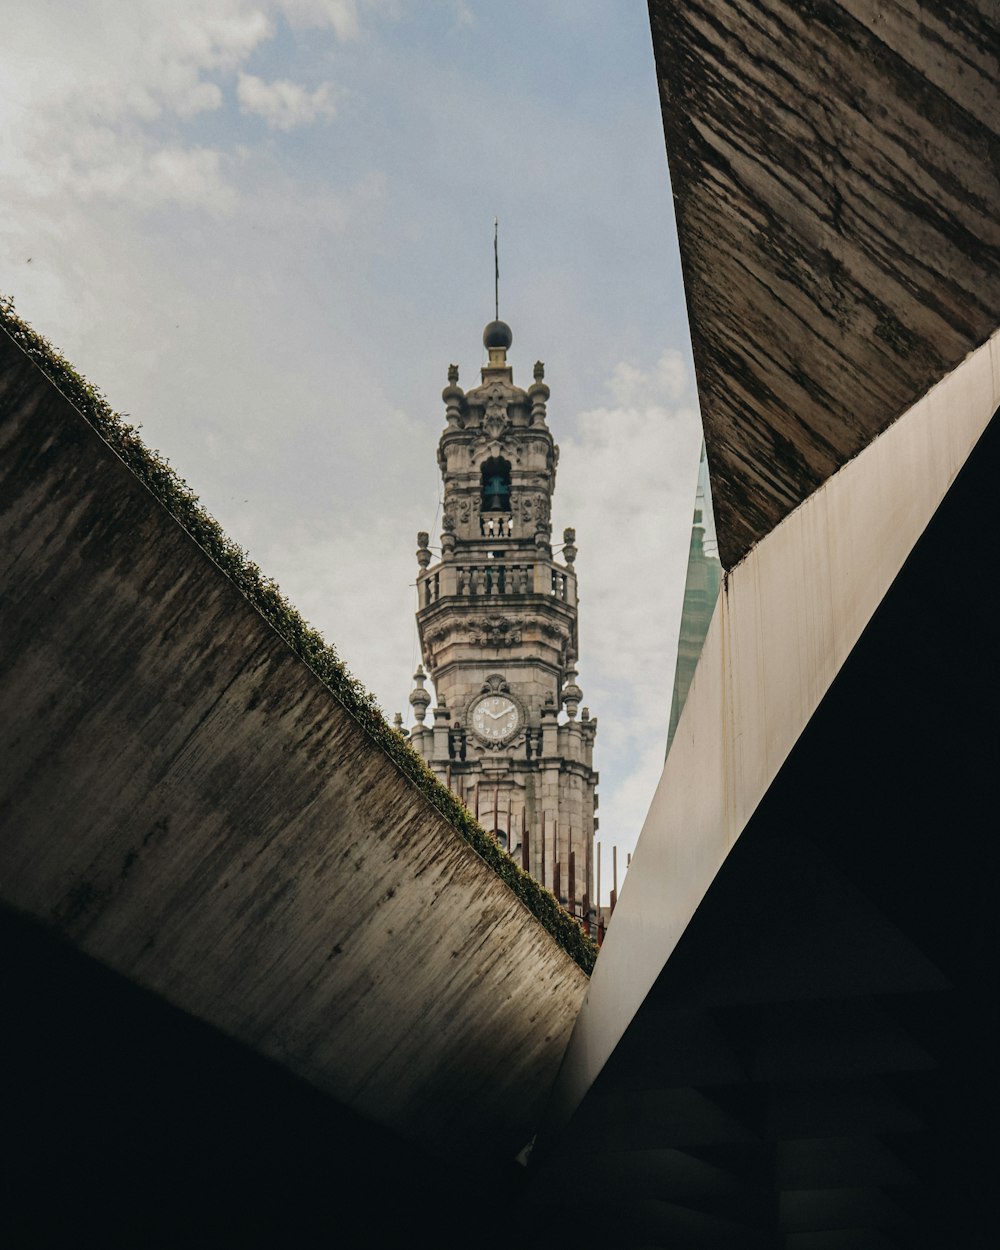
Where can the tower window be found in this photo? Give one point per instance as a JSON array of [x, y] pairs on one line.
[[495, 485]]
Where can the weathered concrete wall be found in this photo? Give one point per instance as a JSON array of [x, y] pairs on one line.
[[836, 182], [185, 801]]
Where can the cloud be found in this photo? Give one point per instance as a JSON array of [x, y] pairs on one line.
[[98, 100], [463, 14], [369, 619], [633, 387], [283, 104], [627, 479], [90, 161], [143, 175], [110, 66], [340, 15]]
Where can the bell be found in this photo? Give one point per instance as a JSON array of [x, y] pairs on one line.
[[496, 494]]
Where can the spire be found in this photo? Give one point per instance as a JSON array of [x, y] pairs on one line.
[[497, 336]]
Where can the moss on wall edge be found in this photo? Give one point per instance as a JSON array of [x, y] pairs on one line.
[[264, 594]]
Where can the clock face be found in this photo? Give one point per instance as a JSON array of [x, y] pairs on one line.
[[495, 717]]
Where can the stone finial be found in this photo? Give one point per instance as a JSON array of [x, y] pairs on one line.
[[454, 400], [538, 393], [571, 694], [447, 530], [419, 698], [423, 551], [397, 724], [569, 548]]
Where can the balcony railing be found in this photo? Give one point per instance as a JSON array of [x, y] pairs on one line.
[[495, 579], [496, 524], [491, 580]]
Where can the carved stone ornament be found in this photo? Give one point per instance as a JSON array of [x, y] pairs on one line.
[[558, 633], [496, 631], [448, 521], [464, 511], [495, 683], [496, 419], [494, 399], [433, 642], [483, 447]]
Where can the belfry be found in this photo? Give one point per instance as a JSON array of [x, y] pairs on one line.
[[497, 619]]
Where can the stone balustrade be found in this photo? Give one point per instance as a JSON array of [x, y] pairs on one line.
[[496, 524], [494, 578]]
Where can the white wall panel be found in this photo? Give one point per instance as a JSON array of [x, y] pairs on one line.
[[787, 618]]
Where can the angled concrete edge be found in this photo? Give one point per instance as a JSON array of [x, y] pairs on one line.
[[835, 181], [787, 617], [187, 803]]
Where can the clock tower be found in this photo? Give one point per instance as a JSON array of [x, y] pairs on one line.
[[497, 618]]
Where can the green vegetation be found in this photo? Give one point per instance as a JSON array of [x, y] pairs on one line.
[[178, 498]]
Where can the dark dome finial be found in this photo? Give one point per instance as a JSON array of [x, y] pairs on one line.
[[497, 334]]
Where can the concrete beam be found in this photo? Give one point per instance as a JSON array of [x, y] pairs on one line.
[[788, 617], [186, 802], [834, 174]]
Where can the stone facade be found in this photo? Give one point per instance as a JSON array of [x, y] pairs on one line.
[[498, 633]]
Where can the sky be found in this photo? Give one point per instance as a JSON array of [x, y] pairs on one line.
[[264, 228]]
